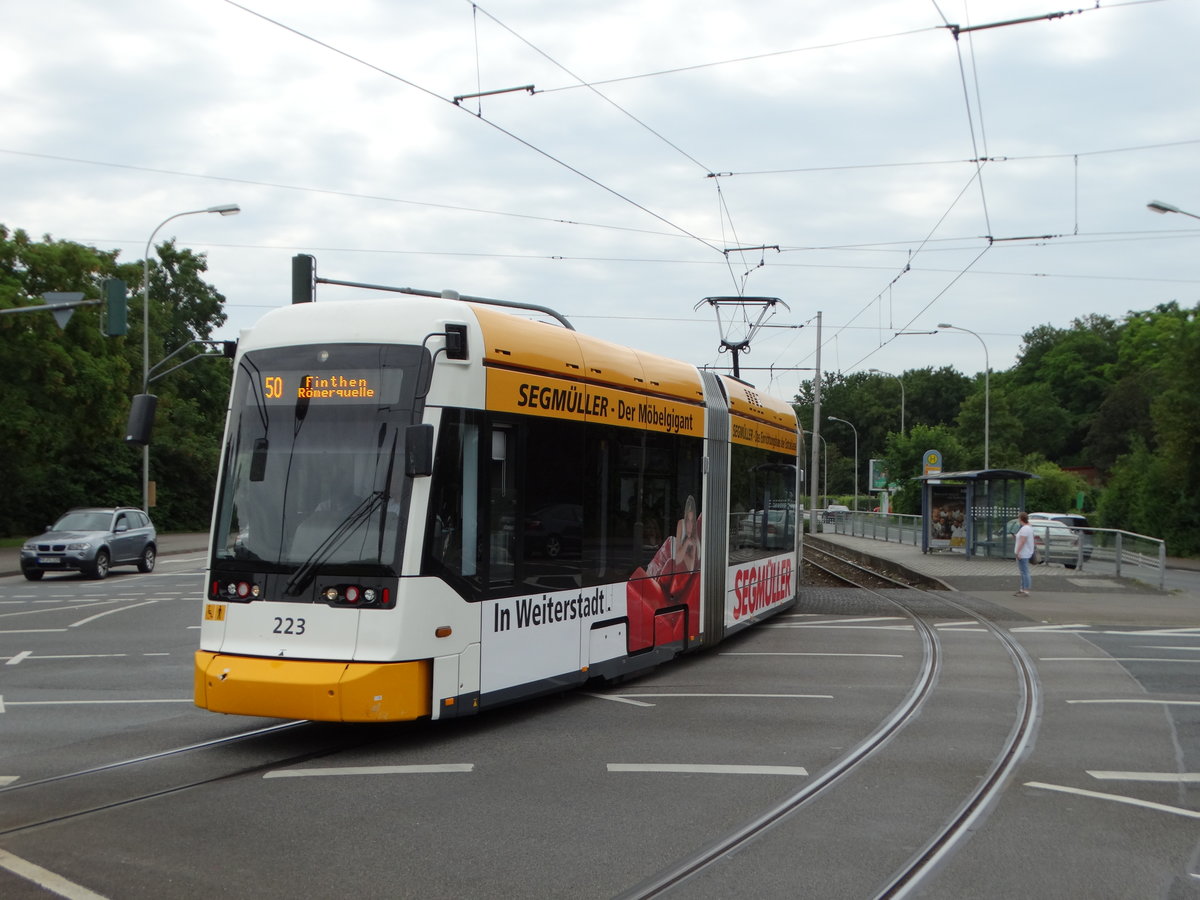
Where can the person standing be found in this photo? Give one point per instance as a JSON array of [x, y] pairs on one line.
[[1024, 552]]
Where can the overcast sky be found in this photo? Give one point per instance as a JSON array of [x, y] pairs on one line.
[[896, 176]]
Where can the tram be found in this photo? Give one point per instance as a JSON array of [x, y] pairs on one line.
[[428, 507]]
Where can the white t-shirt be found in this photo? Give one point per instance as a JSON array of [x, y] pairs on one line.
[[1025, 548]]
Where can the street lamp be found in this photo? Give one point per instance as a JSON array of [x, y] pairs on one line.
[[225, 209], [987, 374], [1163, 208], [855, 430], [901, 380]]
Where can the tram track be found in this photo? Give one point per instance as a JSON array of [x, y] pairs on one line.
[[941, 844], [57, 798]]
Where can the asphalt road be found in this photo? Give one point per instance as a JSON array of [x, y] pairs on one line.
[[592, 793]]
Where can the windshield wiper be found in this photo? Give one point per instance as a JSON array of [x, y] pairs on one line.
[[361, 513]]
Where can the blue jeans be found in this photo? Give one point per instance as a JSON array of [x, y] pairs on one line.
[[1026, 578]]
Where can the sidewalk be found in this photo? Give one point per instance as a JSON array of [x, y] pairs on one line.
[[1059, 596], [168, 545]]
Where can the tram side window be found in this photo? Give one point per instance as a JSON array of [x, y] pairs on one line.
[[551, 498], [762, 503], [453, 545], [644, 490]]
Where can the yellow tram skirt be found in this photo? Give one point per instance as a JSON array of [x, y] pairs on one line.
[[324, 691]]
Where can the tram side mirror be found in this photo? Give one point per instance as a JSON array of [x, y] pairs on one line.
[[258, 460], [418, 451], [456, 341]]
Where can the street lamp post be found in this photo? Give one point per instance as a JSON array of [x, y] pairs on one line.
[[855, 430], [987, 374], [901, 380], [1163, 208], [225, 209]]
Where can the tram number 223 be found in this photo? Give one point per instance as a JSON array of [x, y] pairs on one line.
[[288, 626]]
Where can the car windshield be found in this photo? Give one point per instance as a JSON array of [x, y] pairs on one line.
[[83, 521], [314, 468]]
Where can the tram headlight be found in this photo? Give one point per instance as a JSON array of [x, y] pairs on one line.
[[356, 595], [236, 590]]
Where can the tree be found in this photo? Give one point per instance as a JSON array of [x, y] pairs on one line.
[[904, 460], [65, 394]]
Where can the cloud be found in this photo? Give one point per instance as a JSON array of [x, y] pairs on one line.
[[847, 132]]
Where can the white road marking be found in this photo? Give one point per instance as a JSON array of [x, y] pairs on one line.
[[110, 612], [705, 769], [1156, 777], [869, 655], [1115, 798], [853, 627], [372, 770], [20, 657], [33, 631], [1161, 659], [1143, 700], [44, 878], [78, 656], [1153, 647], [8, 779], [1160, 632], [1033, 629], [617, 699], [746, 696], [8, 703], [858, 619]]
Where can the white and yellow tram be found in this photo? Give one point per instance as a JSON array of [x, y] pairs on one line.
[[428, 507]]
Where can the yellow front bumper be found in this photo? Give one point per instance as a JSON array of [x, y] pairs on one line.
[[322, 691]]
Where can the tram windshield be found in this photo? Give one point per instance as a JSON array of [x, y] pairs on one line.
[[313, 473]]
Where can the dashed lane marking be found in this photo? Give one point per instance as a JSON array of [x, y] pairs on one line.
[[1142, 700], [372, 770], [706, 769], [1155, 777]]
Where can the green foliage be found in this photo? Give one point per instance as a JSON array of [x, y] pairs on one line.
[[1053, 490], [66, 393], [904, 460]]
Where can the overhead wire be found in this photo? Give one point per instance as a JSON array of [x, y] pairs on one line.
[[724, 211], [433, 94]]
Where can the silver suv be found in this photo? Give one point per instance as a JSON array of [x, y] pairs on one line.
[[92, 541]]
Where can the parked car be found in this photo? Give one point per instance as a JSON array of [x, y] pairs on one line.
[[1054, 541], [835, 511], [92, 541], [1072, 520], [777, 532], [554, 530]]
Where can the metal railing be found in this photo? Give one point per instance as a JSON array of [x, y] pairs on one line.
[[1098, 551], [896, 527]]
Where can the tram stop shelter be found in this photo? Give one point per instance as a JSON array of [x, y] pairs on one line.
[[969, 512]]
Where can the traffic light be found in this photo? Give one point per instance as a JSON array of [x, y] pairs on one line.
[[141, 420], [304, 273], [116, 308]]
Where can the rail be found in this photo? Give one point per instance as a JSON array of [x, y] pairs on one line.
[[1100, 551]]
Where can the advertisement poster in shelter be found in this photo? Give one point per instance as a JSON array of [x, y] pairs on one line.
[[947, 516]]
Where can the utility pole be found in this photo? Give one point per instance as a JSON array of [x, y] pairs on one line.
[[816, 429]]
